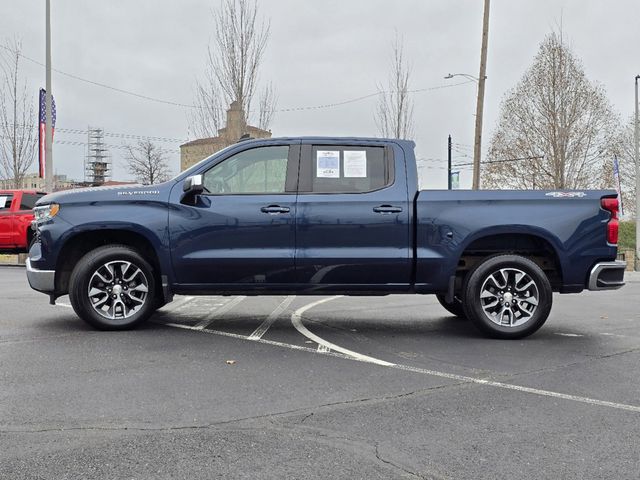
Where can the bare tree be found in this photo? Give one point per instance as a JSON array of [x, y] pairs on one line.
[[627, 168], [18, 139], [232, 71], [206, 119], [394, 113], [557, 113], [147, 163], [266, 110]]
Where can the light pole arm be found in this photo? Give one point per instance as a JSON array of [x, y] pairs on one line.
[[465, 75]]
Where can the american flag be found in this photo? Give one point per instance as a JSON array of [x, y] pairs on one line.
[[42, 121], [616, 178]]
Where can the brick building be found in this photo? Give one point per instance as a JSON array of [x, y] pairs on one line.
[[31, 181], [236, 126]]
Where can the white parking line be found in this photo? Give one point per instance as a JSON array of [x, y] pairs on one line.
[[334, 350], [273, 316], [209, 319], [296, 320], [178, 304], [424, 371]]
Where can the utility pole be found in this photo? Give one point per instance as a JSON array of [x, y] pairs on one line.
[[477, 149], [449, 164], [48, 150], [636, 139]]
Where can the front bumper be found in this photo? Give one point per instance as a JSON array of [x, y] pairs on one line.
[[607, 275], [41, 280]]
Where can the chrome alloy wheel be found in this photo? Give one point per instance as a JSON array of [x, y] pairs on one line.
[[509, 297], [118, 289]]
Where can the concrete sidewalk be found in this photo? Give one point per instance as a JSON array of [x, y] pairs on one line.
[[13, 260], [632, 277]]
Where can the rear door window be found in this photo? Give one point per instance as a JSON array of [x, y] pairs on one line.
[[346, 169]]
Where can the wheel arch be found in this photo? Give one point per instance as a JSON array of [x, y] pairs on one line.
[[83, 242], [539, 246]]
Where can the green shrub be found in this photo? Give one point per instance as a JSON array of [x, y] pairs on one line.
[[627, 236]]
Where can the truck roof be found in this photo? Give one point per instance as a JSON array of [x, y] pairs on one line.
[[326, 139]]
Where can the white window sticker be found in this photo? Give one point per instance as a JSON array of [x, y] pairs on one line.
[[328, 164], [355, 163], [3, 202]]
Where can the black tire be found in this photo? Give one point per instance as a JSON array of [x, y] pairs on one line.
[[521, 317], [31, 239], [455, 307], [125, 313]]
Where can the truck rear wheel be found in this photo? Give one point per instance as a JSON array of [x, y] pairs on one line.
[[113, 288], [507, 296], [454, 307]]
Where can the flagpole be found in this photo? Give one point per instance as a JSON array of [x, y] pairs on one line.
[[48, 169]]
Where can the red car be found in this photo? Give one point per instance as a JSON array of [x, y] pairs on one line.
[[16, 214]]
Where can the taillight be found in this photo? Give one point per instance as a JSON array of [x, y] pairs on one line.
[[611, 205]]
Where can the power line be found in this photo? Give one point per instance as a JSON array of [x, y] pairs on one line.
[[184, 105], [364, 97], [502, 161], [124, 135], [79, 131], [98, 84], [106, 145]]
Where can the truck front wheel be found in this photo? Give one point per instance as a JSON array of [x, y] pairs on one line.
[[507, 296], [113, 288]]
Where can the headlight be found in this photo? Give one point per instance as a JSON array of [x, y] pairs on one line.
[[45, 212]]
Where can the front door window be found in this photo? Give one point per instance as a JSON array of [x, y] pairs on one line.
[[257, 171]]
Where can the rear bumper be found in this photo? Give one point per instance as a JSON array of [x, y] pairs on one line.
[[607, 275], [41, 280]]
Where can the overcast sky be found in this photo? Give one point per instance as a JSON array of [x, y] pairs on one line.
[[318, 53]]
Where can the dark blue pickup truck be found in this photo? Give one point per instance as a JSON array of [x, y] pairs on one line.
[[318, 216]]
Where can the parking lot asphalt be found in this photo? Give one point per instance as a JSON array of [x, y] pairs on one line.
[[318, 387]]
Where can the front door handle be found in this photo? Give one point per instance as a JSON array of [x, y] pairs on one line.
[[387, 209], [274, 209]]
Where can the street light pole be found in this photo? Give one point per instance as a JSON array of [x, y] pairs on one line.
[[477, 147], [636, 137], [48, 150], [449, 164]]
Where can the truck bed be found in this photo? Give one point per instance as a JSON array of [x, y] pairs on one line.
[[452, 222]]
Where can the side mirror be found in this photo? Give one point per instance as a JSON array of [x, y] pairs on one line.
[[193, 185]]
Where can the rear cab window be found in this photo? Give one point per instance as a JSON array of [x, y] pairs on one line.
[[346, 169], [5, 201]]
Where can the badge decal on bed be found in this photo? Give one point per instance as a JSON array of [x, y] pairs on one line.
[[566, 194]]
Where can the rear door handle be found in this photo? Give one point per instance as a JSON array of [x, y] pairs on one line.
[[387, 209], [274, 209]]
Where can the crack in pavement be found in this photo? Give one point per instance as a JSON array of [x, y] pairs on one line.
[[357, 445], [404, 469], [312, 410], [554, 368]]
